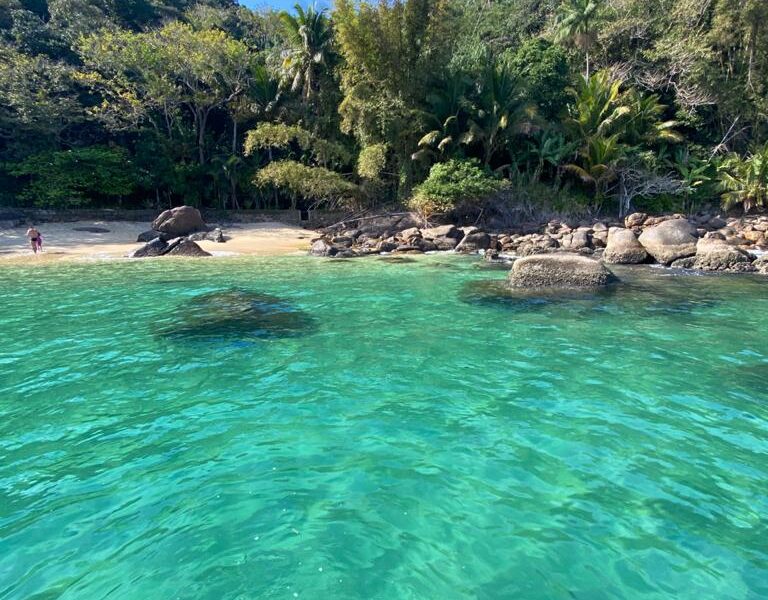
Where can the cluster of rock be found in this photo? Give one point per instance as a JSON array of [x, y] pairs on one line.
[[705, 242], [175, 233]]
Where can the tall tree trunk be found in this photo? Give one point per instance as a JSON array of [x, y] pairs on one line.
[[201, 121], [233, 169]]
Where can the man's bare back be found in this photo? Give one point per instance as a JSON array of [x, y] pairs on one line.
[[34, 238]]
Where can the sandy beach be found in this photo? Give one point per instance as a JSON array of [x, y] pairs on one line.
[[116, 239]]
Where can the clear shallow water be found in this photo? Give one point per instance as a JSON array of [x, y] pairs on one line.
[[399, 434]]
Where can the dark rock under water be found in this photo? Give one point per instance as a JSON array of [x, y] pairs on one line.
[[237, 316], [646, 292], [498, 293]]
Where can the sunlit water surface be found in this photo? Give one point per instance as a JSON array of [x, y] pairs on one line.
[[290, 427]]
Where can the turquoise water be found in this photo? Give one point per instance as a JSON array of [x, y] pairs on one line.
[[290, 427]]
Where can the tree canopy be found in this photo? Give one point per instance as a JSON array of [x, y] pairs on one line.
[[150, 103]]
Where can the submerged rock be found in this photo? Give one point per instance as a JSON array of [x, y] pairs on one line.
[[670, 240], [237, 315], [558, 271]]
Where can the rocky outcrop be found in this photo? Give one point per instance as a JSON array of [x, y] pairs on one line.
[[669, 240], [323, 247], [148, 236], [214, 235], [155, 247], [622, 248], [175, 247], [185, 247], [713, 254], [558, 271], [445, 237], [179, 221], [761, 264], [635, 239], [473, 241]]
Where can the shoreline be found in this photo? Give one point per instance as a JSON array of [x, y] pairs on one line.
[[116, 239]]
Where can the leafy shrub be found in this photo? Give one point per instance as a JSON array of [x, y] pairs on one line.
[[371, 161], [75, 177], [453, 183], [309, 183]]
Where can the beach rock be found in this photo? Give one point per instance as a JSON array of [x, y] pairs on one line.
[[683, 263], [560, 271], [181, 220], [474, 241], [713, 254], [410, 233], [386, 246], [185, 247], [635, 220], [214, 235], [322, 247], [716, 223], [761, 264], [444, 231], [533, 247], [669, 240], [155, 247], [623, 248], [577, 240], [445, 243], [150, 235]]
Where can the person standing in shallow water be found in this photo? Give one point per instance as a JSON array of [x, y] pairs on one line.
[[35, 239]]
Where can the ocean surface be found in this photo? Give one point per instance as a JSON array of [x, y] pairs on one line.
[[379, 429]]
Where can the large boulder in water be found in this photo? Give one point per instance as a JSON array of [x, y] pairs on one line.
[[622, 248], [714, 254], [558, 271], [670, 240], [181, 220]]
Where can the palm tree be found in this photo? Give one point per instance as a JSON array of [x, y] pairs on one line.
[[745, 180], [600, 159], [309, 33], [645, 125], [448, 118], [576, 22], [598, 106], [501, 109]]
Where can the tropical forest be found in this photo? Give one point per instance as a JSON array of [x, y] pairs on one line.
[[572, 106]]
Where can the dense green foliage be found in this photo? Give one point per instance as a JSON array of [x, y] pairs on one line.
[[622, 102], [451, 183]]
